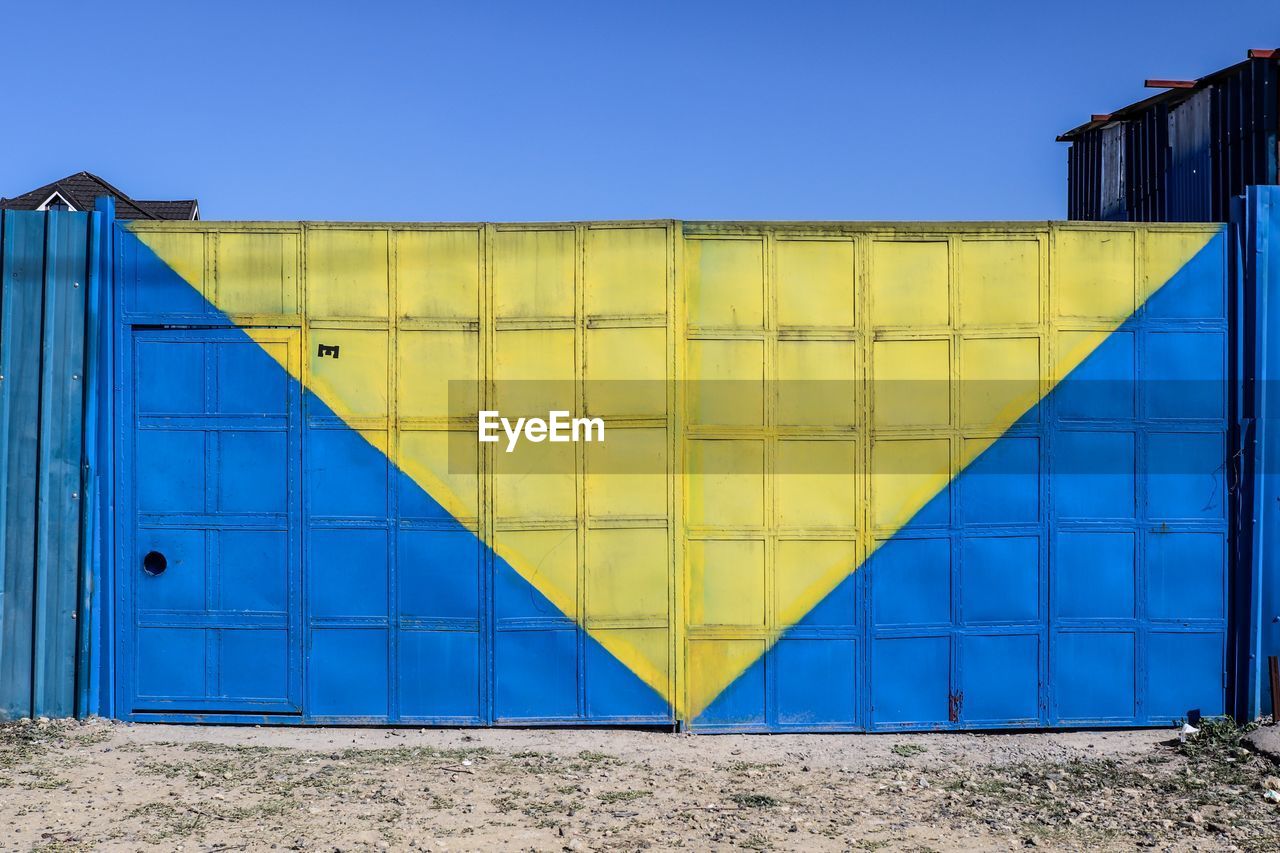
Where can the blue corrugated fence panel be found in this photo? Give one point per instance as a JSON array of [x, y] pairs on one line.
[[23, 279], [1262, 277], [44, 272], [61, 424], [88, 652], [101, 642]]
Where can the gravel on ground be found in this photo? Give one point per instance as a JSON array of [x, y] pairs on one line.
[[113, 786]]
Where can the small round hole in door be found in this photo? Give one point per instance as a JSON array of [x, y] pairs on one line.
[[154, 563]]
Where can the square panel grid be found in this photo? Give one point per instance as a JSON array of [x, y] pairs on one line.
[[423, 310], [948, 356], [1138, 524], [215, 464], [956, 596], [774, 442], [580, 322], [397, 587]]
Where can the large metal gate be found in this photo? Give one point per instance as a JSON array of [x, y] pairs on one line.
[[855, 476]]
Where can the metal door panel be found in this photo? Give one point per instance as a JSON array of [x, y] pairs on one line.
[[213, 459]]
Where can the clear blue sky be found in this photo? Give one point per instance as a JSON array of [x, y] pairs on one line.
[[399, 110]]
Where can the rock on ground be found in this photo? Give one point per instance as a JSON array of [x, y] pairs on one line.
[[1265, 740]]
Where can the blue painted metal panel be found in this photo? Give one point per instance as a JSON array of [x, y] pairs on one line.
[[1256, 603], [20, 331], [419, 633], [1130, 488], [44, 272], [97, 453], [1000, 679], [1095, 675], [60, 515], [817, 682], [909, 678], [214, 458]]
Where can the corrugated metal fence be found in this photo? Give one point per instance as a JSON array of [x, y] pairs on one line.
[[57, 639], [49, 278]]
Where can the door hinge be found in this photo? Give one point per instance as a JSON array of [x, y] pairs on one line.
[[954, 702]]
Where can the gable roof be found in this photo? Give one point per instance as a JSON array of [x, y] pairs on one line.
[[82, 188]]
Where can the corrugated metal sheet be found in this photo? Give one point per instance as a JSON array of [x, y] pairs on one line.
[[23, 282], [856, 476], [44, 271], [1191, 164], [1083, 164], [1187, 152], [1146, 156], [1256, 228], [1114, 201], [1245, 113]]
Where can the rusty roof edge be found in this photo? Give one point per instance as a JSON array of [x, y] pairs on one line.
[[1096, 121], [1172, 95]]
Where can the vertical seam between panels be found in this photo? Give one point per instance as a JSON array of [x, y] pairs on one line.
[[579, 464], [485, 463], [393, 474]]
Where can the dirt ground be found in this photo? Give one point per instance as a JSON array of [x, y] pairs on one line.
[[113, 786]]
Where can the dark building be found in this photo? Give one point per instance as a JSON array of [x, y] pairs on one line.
[[1180, 155], [78, 191]]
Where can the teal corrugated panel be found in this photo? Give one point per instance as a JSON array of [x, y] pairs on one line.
[[61, 419], [20, 322], [88, 652]]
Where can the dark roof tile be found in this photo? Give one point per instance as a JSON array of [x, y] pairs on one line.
[[178, 209], [82, 188]]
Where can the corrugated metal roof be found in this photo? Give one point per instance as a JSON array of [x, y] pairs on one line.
[[1176, 92]]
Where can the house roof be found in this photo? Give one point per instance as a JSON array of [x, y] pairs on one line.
[[178, 209], [82, 188]]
